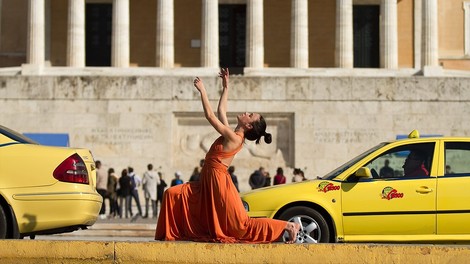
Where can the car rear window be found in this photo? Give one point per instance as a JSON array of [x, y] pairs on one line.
[[16, 136], [457, 157]]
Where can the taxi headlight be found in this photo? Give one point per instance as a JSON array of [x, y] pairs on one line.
[[247, 207]]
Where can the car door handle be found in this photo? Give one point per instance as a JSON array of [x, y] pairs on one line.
[[423, 189]]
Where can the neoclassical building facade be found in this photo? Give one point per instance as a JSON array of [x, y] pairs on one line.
[[240, 34]]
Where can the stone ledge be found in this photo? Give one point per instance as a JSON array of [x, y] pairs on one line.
[[47, 70], [30, 251]]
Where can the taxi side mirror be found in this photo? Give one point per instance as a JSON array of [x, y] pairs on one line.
[[363, 172]]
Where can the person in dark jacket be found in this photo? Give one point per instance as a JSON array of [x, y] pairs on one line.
[[231, 171], [258, 178], [160, 189], [267, 181], [125, 194]]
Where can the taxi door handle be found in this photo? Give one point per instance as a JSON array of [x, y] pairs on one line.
[[423, 189]]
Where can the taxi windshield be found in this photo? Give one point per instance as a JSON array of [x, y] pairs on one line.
[[353, 161]]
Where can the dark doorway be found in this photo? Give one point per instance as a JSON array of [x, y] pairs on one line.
[[98, 21], [232, 37], [366, 36]]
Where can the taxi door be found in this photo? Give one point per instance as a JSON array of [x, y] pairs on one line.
[[453, 199], [391, 204]]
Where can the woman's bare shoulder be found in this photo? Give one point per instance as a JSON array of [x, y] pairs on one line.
[[233, 142]]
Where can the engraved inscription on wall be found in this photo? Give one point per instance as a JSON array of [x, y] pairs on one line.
[[344, 137], [119, 136]]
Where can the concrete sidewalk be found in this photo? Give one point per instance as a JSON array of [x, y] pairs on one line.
[[142, 229], [32, 251], [123, 220]]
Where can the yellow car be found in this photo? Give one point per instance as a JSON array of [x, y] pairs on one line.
[[44, 189], [409, 190]]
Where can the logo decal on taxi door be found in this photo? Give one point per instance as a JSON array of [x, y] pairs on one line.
[[327, 186], [390, 193]]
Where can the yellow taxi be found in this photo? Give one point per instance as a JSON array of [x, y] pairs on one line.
[[44, 189], [408, 190]]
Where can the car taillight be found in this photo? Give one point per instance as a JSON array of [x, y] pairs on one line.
[[73, 169]]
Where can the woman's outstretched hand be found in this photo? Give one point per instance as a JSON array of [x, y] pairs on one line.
[[224, 73], [198, 84]]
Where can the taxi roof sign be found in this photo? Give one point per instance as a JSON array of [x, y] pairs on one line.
[[414, 134]]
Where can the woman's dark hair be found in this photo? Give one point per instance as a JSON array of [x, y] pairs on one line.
[[258, 130]]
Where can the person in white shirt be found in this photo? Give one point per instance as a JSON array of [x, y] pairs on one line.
[[150, 181]]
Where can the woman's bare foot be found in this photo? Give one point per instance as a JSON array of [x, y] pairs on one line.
[[292, 229]]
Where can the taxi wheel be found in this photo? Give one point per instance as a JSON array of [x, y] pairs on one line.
[[3, 223], [313, 226]]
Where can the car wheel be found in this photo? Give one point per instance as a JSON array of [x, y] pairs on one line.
[[313, 226], [3, 223]]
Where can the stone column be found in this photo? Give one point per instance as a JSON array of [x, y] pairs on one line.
[[165, 34], [388, 34], [417, 34], [76, 34], [299, 38], [1, 1], [36, 33], [255, 34], [344, 54], [120, 37], [47, 33], [430, 35], [466, 8], [210, 34]]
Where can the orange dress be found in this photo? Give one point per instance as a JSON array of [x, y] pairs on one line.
[[210, 210]]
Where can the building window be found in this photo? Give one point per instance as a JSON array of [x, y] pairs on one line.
[[466, 8]]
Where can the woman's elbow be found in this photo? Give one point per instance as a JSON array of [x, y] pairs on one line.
[[211, 118]]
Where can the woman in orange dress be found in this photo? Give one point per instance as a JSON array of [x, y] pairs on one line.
[[210, 209]]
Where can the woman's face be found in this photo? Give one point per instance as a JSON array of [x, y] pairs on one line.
[[248, 118]]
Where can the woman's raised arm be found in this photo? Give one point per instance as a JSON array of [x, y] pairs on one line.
[[223, 129], [222, 108]]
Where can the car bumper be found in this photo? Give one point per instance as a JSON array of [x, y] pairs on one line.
[[46, 211]]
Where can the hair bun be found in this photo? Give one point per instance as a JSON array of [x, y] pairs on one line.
[[268, 138]]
